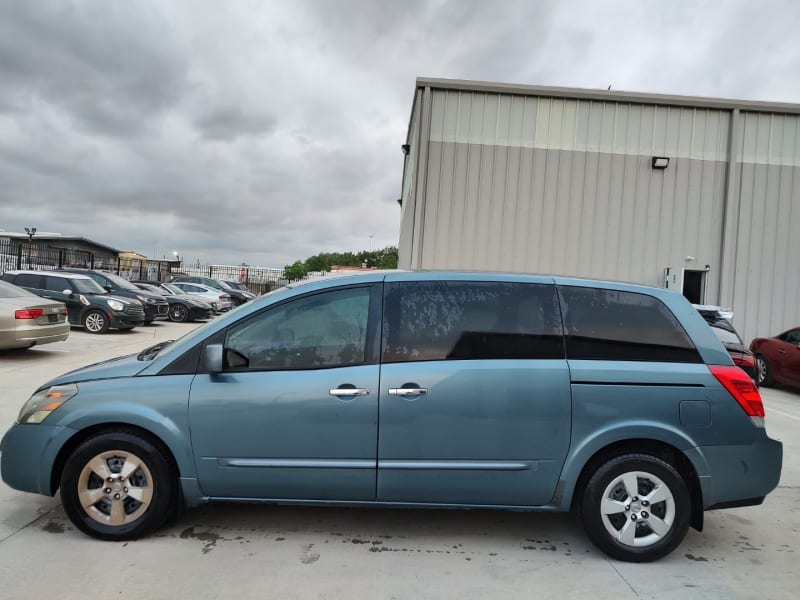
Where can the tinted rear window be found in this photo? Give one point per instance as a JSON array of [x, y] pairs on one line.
[[615, 325], [30, 280], [456, 320]]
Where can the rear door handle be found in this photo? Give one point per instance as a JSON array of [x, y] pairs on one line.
[[349, 392], [781, 351], [408, 391]]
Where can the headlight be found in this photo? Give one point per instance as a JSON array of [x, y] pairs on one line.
[[42, 403], [116, 304]]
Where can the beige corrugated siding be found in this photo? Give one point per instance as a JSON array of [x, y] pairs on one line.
[[523, 182]]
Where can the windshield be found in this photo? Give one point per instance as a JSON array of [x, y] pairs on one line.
[[173, 288], [153, 289], [87, 286], [120, 282], [11, 291]]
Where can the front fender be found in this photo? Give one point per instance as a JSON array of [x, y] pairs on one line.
[[158, 405]]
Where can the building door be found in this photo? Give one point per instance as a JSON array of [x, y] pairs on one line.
[[694, 285]]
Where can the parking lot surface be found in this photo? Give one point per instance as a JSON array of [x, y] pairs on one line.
[[260, 551]]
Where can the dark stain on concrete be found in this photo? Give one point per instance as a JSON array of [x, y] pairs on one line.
[[696, 558], [53, 527], [208, 538]]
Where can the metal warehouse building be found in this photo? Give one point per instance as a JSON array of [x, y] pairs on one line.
[[697, 194]]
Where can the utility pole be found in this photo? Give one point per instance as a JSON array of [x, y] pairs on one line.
[[31, 231]]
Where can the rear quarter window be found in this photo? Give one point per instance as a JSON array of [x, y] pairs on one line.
[[602, 324]]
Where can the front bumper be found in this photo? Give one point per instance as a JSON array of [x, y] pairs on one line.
[[197, 312], [119, 320], [27, 456], [737, 475], [159, 310]]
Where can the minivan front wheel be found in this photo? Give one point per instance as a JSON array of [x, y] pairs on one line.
[[118, 486], [636, 508]]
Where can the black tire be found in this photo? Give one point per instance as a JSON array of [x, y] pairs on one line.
[[763, 372], [119, 513], [235, 302], [178, 313], [95, 321], [643, 531]]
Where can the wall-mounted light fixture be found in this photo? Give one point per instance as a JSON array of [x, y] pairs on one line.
[[400, 201], [406, 148], [660, 162]]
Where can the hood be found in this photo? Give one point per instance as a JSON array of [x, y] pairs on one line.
[[122, 366]]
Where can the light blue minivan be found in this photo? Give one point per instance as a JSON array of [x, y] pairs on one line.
[[431, 389]]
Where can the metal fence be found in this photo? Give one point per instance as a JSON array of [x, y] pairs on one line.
[[16, 254]]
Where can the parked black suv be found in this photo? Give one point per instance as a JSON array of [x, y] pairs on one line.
[[155, 306], [88, 304], [237, 296]]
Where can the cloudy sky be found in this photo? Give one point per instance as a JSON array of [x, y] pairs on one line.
[[265, 131]]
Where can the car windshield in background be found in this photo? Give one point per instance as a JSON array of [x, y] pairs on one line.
[[173, 288], [153, 289], [726, 334], [119, 281], [87, 286], [11, 291]]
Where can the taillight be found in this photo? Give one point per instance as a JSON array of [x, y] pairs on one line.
[[28, 313], [744, 360], [741, 387]]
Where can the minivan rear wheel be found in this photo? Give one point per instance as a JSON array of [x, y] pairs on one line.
[[636, 508]]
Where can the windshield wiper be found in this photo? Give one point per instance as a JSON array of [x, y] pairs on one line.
[[151, 352]]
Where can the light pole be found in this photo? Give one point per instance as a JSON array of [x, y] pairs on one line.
[[370, 241], [31, 231]]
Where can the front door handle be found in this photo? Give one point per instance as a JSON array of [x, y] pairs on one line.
[[349, 392], [408, 391]]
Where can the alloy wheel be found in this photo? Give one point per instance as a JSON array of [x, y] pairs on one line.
[[637, 509], [115, 488]]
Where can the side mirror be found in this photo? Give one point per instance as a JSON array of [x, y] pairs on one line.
[[67, 293], [107, 288], [212, 358]]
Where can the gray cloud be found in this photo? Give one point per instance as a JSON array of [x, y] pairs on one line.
[[267, 132]]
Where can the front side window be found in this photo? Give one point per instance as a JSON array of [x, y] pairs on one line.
[[462, 320], [603, 324], [313, 332]]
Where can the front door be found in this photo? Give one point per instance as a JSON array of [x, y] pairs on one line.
[[294, 413], [475, 393]]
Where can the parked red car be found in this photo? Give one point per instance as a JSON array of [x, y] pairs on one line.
[[778, 358]]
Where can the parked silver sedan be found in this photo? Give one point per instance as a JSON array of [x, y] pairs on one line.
[[206, 292], [28, 320]]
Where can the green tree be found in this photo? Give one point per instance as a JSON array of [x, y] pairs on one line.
[[295, 271]]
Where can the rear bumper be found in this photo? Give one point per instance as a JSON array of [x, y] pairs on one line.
[[737, 475], [27, 456]]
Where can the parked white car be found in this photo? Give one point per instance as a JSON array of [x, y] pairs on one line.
[[213, 295]]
